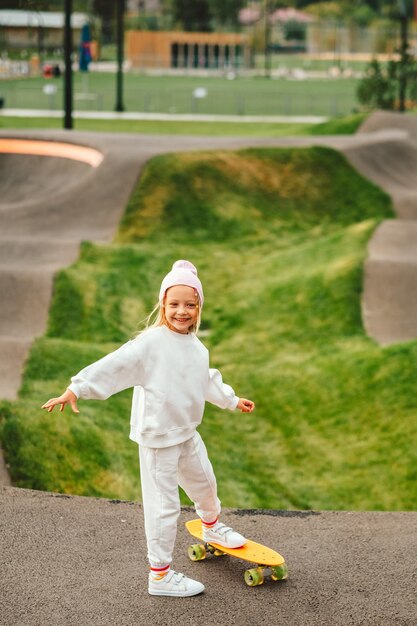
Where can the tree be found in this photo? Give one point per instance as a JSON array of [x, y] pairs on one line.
[[381, 86], [203, 15], [356, 11], [192, 16], [225, 12], [378, 88], [393, 86], [107, 14]]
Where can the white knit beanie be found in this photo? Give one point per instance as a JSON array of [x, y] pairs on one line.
[[182, 273]]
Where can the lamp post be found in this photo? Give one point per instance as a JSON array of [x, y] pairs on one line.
[[40, 36], [68, 66], [403, 54], [120, 54], [267, 35]]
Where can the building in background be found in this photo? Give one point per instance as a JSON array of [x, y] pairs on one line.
[[36, 29], [184, 50]]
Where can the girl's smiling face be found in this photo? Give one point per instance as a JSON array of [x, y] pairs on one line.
[[181, 308]]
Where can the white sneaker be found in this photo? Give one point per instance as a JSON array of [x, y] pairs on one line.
[[223, 536], [174, 584]]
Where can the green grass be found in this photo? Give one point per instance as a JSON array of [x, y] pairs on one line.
[[344, 125], [279, 237], [174, 94], [347, 125], [308, 62]]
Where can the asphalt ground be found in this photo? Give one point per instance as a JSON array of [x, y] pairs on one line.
[[75, 561]]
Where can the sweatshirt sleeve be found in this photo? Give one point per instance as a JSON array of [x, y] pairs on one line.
[[219, 393], [118, 370]]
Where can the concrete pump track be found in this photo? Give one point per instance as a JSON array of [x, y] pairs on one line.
[[72, 560]]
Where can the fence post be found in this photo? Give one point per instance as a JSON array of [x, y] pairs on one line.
[[120, 54], [288, 105], [68, 66], [240, 104]]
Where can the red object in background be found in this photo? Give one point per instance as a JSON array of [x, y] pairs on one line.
[[47, 71]]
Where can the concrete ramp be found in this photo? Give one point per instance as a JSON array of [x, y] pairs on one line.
[[392, 165], [53, 194], [29, 178], [383, 120], [389, 303], [27, 268], [27, 263]]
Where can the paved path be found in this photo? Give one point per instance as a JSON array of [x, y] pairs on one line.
[[389, 305], [168, 117], [72, 561]]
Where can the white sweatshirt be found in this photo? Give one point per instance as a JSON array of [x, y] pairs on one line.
[[171, 378]]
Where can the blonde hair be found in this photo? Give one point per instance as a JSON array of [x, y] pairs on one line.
[[157, 317]]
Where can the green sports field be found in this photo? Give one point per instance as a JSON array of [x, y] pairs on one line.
[[169, 94]]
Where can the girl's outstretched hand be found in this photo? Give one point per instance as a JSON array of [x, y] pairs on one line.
[[68, 397], [246, 406]]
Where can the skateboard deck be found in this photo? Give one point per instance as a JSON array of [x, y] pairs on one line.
[[268, 562]]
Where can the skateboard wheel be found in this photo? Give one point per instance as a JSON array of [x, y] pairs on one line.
[[279, 572], [197, 552], [254, 577], [213, 550]]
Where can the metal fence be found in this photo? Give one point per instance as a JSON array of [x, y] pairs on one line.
[[256, 97]]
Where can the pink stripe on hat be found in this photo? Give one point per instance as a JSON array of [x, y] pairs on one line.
[[182, 273]]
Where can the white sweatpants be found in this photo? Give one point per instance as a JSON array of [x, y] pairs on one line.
[[162, 470]]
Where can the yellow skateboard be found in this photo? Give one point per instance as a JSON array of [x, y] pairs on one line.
[[268, 562]]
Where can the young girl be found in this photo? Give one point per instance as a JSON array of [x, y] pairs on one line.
[[169, 369]]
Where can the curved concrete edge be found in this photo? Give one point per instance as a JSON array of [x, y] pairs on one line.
[[391, 165], [394, 240], [382, 120], [52, 149], [14, 352], [27, 294], [389, 300], [27, 268], [75, 560]]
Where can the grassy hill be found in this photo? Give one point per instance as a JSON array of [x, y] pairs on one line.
[[279, 237]]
